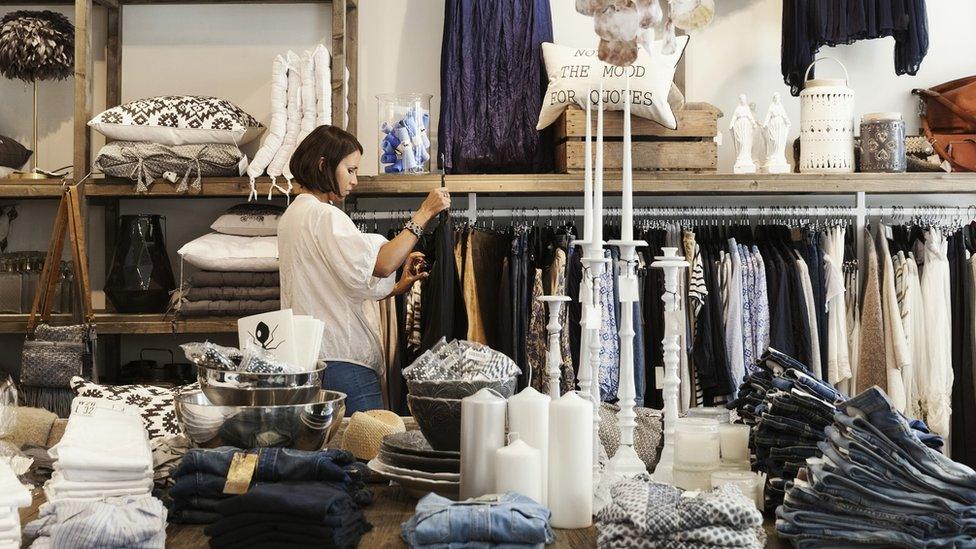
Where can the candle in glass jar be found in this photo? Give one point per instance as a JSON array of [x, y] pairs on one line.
[[528, 417], [482, 432], [696, 442], [747, 481], [571, 461], [734, 442], [518, 468]]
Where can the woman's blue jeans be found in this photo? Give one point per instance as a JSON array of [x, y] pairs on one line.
[[361, 385]]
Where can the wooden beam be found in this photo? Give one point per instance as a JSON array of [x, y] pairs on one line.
[[113, 58], [352, 62], [83, 88], [339, 89]]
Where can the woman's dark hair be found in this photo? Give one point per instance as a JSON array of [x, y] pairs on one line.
[[328, 142]]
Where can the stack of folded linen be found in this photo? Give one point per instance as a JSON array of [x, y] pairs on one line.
[[789, 411], [505, 520], [201, 477], [104, 453], [643, 513], [879, 484], [289, 514], [13, 495], [113, 522], [238, 262]]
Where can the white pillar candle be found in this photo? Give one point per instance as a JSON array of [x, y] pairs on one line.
[[627, 175], [697, 443], [518, 468], [734, 442], [528, 417], [587, 177], [571, 462], [482, 432]]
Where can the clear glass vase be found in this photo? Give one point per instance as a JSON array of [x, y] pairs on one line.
[[404, 124]]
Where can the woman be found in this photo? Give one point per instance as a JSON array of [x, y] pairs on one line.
[[332, 271]]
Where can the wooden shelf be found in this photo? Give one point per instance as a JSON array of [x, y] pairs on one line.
[[118, 323], [676, 183], [215, 187], [30, 188]]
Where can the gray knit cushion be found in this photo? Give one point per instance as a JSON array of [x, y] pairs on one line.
[[184, 164]]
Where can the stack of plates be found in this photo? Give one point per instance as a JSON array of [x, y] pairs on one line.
[[408, 459]]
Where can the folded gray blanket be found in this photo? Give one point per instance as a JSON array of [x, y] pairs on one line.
[[217, 278], [232, 293], [227, 307]]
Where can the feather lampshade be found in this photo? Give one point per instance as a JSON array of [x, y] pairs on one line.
[[36, 45]]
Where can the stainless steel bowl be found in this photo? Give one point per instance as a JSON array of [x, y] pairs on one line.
[[300, 426], [231, 388]]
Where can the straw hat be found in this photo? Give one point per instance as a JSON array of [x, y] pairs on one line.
[[366, 430]]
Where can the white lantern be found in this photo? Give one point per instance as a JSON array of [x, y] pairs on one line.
[[826, 124]]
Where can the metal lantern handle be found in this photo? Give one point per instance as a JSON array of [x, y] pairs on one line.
[[806, 77]]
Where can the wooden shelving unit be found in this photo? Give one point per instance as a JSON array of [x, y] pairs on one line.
[[26, 188], [130, 324]]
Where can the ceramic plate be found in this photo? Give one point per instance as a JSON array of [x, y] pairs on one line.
[[430, 465], [417, 487], [414, 443]]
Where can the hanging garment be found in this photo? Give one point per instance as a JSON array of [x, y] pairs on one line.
[[444, 315], [574, 308], [871, 363], [811, 308], [746, 290], [609, 339], [838, 348], [913, 317], [492, 84], [652, 309], [760, 312], [732, 288], [897, 354], [936, 389], [809, 25], [852, 301], [535, 338], [482, 277], [568, 377], [964, 446]]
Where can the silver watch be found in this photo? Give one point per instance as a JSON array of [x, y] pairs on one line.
[[413, 227]]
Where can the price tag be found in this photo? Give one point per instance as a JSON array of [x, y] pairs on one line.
[[97, 406], [659, 377], [239, 475], [627, 287]]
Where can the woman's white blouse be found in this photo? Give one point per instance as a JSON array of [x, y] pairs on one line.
[[327, 272]]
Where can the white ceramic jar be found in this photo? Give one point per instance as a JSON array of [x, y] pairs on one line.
[[826, 124], [697, 452]]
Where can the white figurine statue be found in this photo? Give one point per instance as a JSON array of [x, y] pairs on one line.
[[743, 127], [776, 130]]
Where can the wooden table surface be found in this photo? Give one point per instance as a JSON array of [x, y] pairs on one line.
[[390, 509]]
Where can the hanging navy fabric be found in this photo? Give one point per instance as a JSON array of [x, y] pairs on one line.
[[492, 83], [810, 24]]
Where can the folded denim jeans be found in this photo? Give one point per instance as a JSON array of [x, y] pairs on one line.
[[274, 464], [301, 532], [193, 516], [110, 523], [312, 501], [508, 518]]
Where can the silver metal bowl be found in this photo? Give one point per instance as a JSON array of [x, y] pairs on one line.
[[300, 426], [232, 388]]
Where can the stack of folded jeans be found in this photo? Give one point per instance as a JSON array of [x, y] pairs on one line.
[[104, 452], [200, 477], [131, 522], [789, 410], [13, 495], [643, 513], [879, 484], [289, 514], [508, 520]]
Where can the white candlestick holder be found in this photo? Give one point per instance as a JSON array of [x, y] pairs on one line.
[[555, 355], [672, 264], [589, 370]]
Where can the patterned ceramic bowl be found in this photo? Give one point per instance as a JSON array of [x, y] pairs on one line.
[[458, 389], [439, 420]]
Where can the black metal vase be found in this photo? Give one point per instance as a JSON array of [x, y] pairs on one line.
[[141, 277]]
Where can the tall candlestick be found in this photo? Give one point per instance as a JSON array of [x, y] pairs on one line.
[[555, 355], [597, 238], [627, 175], [671, 263], [528, 415], [518, 468], [587, 177], [482, 432], [570, 462]]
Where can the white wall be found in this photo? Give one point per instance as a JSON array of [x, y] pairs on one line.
[[227, 51]]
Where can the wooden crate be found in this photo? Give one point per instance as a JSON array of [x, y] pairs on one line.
[[654, 147]]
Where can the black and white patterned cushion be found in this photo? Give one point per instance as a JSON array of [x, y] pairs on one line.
[[155, 403], [178, 120]]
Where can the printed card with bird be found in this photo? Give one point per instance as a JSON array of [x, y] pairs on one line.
[[274, 331]]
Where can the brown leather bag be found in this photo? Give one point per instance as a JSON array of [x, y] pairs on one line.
[[949, 121]]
